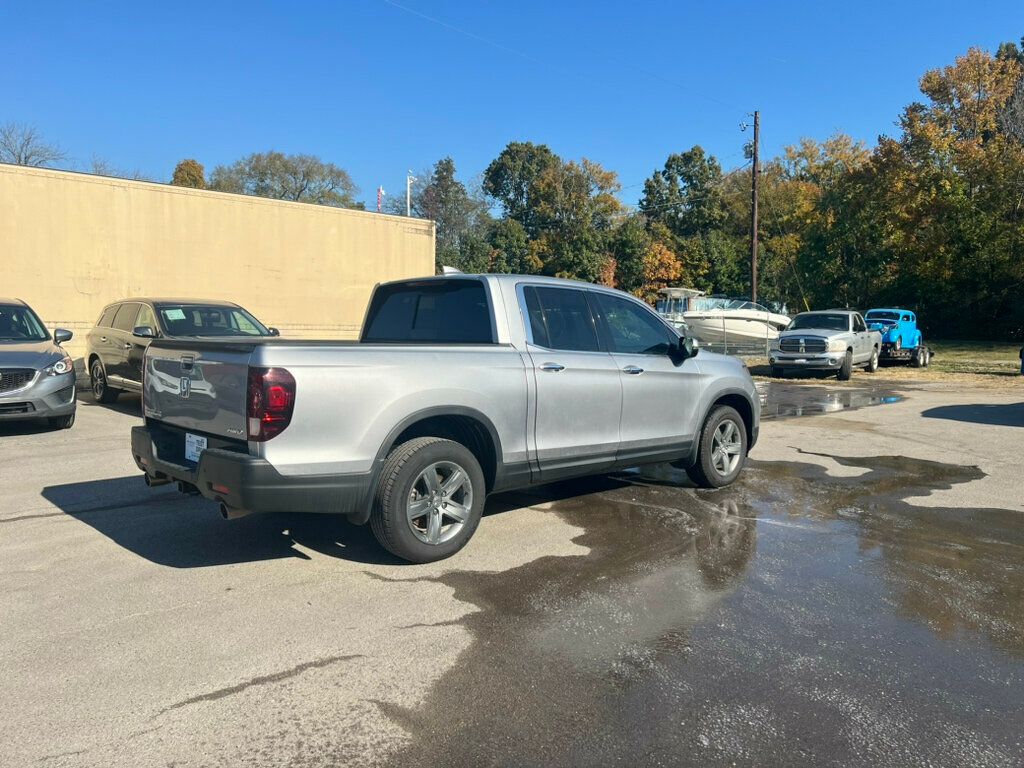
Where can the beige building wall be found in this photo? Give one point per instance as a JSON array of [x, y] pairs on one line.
[[71, 243]]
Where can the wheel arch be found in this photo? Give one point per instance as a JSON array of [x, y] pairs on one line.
[[463, 425], [737, 399]]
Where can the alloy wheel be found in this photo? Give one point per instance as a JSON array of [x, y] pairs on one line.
[[99, 381], [440, 502], [726, 448]]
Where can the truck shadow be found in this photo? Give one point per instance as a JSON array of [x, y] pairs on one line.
[[167, 528], [1004, 415]]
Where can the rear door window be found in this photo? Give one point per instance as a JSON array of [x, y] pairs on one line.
[[450, 311], [124, 320], [560, 318]]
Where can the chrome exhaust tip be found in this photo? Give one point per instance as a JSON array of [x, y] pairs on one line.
[[230, 513]]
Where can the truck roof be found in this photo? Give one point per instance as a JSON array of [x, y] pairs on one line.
[[830, 312], [13, 301], [499, 278]]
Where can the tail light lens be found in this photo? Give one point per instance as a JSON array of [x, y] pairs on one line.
[[269, 403]]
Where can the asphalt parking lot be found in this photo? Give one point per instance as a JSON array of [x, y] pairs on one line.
[[857, 598]]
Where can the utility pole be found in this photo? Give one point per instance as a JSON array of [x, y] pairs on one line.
[[408, 193], [755, 175]]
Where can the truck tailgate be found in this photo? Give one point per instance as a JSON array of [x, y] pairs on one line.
[[198, 385]]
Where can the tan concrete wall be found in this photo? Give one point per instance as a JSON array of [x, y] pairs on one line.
[[71, 243]]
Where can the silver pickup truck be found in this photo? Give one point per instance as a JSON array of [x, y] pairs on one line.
[[460, 386], [836, 340]]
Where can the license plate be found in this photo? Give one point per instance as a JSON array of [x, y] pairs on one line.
[[800, 360], [194, 446]]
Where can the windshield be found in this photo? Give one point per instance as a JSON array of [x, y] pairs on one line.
[[19, 323], [202, 320], [882, 316], [821, 320]]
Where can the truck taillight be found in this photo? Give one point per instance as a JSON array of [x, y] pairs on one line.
[[269, 402]]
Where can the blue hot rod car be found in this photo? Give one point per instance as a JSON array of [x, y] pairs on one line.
[[897, 326], [900, 335]]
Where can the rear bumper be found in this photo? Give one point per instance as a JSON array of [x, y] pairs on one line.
[[250, 484], [45, 397]]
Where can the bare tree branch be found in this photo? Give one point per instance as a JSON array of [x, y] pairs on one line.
[[22, 144]]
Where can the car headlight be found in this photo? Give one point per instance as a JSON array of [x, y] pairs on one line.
[[62, 366], [837, 345], [774, 345]]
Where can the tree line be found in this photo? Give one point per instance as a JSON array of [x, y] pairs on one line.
[[930, 219]]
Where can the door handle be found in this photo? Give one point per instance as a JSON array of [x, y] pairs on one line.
[[632, 369], [554, 367], [127, 345]]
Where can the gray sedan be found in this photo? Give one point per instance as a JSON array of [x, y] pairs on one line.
[[37, 377]]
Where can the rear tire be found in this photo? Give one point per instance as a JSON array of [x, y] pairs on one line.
[[846, 370], [920, 354], [429, 499], [872, 365], [98, 382], [62, 422], [722, 450]]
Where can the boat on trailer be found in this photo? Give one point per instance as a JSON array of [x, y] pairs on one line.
[[719, 319]]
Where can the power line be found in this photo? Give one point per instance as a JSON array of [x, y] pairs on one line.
[[500, 46]]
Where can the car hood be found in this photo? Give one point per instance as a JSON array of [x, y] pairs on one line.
[[29, 354], [810, 333]]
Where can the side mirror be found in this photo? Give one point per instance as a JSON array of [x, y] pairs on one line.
[[60, 335], [274, 331], [686, 348], [144, 332]]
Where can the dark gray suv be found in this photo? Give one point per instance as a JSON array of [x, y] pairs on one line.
[[117, 344]]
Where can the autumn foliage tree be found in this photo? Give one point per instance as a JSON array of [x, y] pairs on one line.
[[189, 173]]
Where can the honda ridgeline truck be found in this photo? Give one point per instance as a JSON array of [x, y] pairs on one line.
[[460, 386]]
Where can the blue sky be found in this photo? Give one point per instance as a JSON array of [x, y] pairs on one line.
[[378, 88]]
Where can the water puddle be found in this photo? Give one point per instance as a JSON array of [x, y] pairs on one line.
[[781, 400], [794, 617]]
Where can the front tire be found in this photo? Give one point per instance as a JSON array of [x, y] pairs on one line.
[[776, 372], [62, 422], [846, 370], [429, 499], [101, 391], [722, 450]]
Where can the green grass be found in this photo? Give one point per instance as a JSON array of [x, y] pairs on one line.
[[985, 357]]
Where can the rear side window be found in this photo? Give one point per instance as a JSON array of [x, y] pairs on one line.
[[107, 318], [560, 318], [124, 320], [448, 311]]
